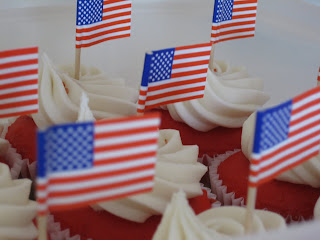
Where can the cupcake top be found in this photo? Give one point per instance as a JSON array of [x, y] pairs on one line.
[[176, 168], [231, 95], [59, 94], [180, 222], [306, 173], [16, 210]]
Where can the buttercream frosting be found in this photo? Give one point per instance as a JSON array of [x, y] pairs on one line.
[[230, 96], [59, 94], [16, 210], [180, 222], [176, 168], [306, 173]]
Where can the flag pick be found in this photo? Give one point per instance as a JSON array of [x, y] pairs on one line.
[[99, 21], [84, 163], [173, 75], [233, 19], [285, 136], [18, 82]]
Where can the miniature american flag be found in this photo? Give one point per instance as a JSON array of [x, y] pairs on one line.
[[233, 19], [85, 163], [285, 136], [174, 75], [18, 82], [102, 20], [318, 77]]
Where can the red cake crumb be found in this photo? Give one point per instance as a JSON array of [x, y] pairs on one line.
[[216, 141], [22, 136], [102, 225], [285, 198]]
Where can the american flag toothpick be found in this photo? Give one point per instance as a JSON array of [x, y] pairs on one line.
[[174, 75], [233, 19], [84, 163], [18, 82]]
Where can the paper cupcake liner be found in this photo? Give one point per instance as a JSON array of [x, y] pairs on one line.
[[56, 233], [225, 197], [19, 166], [228, 198], [212, 196]]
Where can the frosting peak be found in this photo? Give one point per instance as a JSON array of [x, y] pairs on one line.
[[16, 210], [180, 222], [231, 95], [176, 168], [59, 94]]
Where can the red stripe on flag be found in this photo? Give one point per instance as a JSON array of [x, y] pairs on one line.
[[18, 63], [116, 15], [154, 115], [18, 113], [103, 26], [244, 9], [18, 74], [101, 40], [109, 9], [189, 73], [306, 94], [173, 101], [176, 92], [19, 84], [177, 84], [244, 2], [125, 145], [190, 64], [17, 52], [87, 177], [18, 104], [85, 203], [89, 190], [19, 94], [191, 55], [82, 38], [234, 31], [251, 15], [132, 157], [113, 1], [193, 46], [119, 133], [227, 25]]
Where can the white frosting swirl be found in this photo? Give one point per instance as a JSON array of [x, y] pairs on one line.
[[176, 168], [107, 97], [306, 173], [16, 210], [180, 222], [231, 95]]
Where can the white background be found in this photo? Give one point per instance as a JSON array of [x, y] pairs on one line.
[[285, 51]]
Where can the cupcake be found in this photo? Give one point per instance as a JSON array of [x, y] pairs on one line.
[[292, 194], [214, 122], [180, 222], [16, 210], [59, 98], [176, 168]]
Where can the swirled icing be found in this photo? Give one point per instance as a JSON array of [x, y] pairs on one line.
[[16, 210], [180, 223], [306, 173], [231, 95], [59, 94], [176, 168]]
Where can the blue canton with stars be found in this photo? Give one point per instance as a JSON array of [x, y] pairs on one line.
[[65, 148], [222, 10], [158, 66], [89, 11], [272, 126]]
